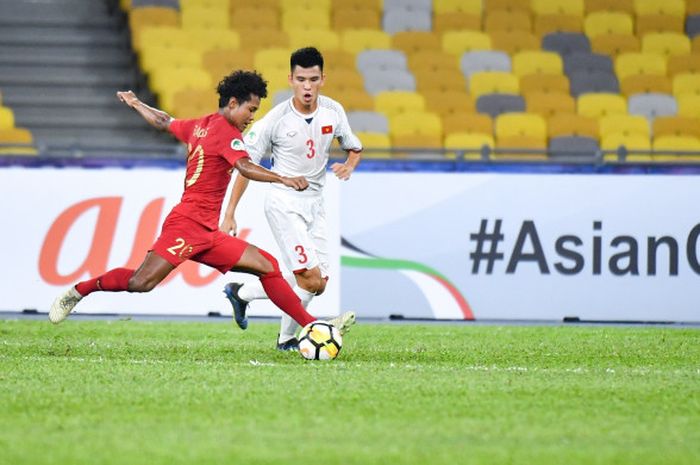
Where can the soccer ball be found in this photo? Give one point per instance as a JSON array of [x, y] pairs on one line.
[[320, 341]]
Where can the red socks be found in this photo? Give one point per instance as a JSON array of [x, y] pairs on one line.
[[279, 292], [112, 281]]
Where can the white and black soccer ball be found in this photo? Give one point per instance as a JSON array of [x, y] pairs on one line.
[[320, 341]]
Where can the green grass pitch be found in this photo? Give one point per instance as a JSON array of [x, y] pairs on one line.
[[128, 392]]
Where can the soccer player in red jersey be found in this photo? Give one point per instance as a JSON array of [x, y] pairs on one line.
[[190, 231]]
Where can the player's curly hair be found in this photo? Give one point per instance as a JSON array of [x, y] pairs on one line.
[[241, 85], [306, 57]]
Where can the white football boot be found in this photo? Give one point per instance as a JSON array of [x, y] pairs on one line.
[[63, 305], [343, 322]]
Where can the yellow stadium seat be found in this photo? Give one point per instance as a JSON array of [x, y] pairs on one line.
[[537, 62], [211, 39], [395, 102], [287, 5], [353, 99], [305, 19], [167, 82], [270, 4], [272, 58], [343, 80], [493, 82], [644, 84], [666, 43], [221, 62], [448, 102], [203, 17], [692, 7], [513, 42], [686, 83], [416, 41], [472, 123], [546, 24], [645, 24], [154, 57], [549, 103], [615, 44], [521, 124], [193, 103], [627, 64], [324, 39], [467, 145], [631, 143], [7, 118], [373, 4], [547, 83], [15, 135], [454, 6], [357, 40], [163, 36], [624, 124], [664, 145], [563, 124], [548, 7], [490, 5], [447, 80], [520, 148], [151, 16], [254, 17], [688, 105], [421, 123], [503, 20], [608, 22], [375, 144], [458, 42], [625, 6], [221, 5], [355, 18], [262, 38], [676, 126], [419, 145], [595, 105], [337, 59], [435, 61], [686, 63], [667, 7], [457, 21]]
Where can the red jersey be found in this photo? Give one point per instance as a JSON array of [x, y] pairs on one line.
[[213, 146]]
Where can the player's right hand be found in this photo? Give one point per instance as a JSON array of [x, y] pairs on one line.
[[229, 226], [127, 97], [298, 183]]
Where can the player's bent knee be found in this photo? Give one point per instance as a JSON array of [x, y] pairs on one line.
[[137, 284], [269, 264]]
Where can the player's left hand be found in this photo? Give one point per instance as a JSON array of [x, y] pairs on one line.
[[298, 183], [342, 171], [128, 97]]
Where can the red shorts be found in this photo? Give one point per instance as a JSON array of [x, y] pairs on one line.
[[182, 239]]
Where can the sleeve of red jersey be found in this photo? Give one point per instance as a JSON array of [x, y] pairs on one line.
[[233, 148], [182, 129]]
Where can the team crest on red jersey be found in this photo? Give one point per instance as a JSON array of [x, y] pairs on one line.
[[327, 129]]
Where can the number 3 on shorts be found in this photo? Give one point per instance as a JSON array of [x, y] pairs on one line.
[[302, 254]]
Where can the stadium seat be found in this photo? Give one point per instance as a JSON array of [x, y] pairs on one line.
[[447, 80], [368, 121], [425, 5], [549, 103], [287, 5], [255, 17], [520, 148], [458, 42], [457, 21], [624, 6], [193, 103], [425, 125], [394, 102], [686, 63], [355, 18], [357, 40], [688, 105], [686, 83], [537, 62], [665, 146], [587, 61], [607, 22], [342, 80], [382, 80], [551, 23], [484, 60], [381, 60], [645, 24], [435, 61], [375, 144], [352, 99], [692, 25], [676, 126], [583, 82], [520, 124], [405, 19], [615, 44], [490, 5], [548, 7], [448, 102], [645, 83], [544, 83], [495, 104], [324, 39], [371, 4], [167, 82], [493, 82], [573, 148], [272, 61], [416, 41], [221, 62], [566, 43], [261, 38], [338, 60], [666, 43], [154, 57], [471, 123], [164, 36], [305, 19], [202, 17], [513, 42], [7, 118], [467, 145], [597, 105], [652, 105], [622, 144], [563, 124], [627, 64], [504, 20], [692, 7], [151, 16], [650, 7], [454, 6], [623, 124]]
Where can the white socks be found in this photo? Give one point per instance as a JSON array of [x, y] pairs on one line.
[[253, 290]]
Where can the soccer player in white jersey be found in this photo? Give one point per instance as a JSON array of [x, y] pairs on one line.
[[298, 133]]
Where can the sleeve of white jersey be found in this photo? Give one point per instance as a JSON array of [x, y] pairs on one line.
[[258, 140], [347, 139]]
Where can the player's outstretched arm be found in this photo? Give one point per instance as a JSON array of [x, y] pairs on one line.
[[344, 170], [156, 118], [257, 173]]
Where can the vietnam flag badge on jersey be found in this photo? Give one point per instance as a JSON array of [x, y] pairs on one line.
[[327, 129]]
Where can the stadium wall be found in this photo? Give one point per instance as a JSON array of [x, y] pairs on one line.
[[414, 245]]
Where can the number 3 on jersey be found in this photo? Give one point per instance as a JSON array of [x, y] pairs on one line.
[[302, 254], [312, 151]]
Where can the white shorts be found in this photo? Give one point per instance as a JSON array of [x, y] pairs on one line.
[[298, 223]]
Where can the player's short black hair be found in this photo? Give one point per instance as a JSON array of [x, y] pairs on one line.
[[241, 85], [306, 57]]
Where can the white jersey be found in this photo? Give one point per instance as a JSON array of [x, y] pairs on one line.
[[300, 143]]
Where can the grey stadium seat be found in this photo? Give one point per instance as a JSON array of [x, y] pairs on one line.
[[495, 104], [426, 5], [484, 60], [381, 60], [399, 20], [595, 81], [380, 80], [652, 105], [565, 43], [368, 121], [573, 148], [281, 96], [692, 25], [586, 61]]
